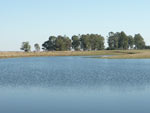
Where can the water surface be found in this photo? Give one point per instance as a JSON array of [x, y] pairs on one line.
[[74, 85]]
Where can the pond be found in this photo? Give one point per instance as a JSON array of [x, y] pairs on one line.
[[74, 85]]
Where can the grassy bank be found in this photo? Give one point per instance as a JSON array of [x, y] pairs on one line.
[[54, 53], [132, 54], [119, 54]]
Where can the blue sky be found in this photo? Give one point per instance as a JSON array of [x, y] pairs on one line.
[[36, 20]]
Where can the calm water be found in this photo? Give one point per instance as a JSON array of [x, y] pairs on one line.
[[74, 85]]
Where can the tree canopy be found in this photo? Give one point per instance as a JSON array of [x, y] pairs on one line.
[[59, 43], [37, 47], [120, 40], [76, 42], [84, 42], [25, 47], [139, 42], [90, 42]]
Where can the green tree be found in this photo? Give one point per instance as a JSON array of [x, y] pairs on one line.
[[100, 42], [96, 42], [37, 47], [85, 42], [59, 43], [118, 40], [75, 42], [25, 47], [68, 43], [131, 42], [45, 46], [50, 44], [139, 42], [92, 42], [113, 39], [123, 41], [63, 43], [147, 47]]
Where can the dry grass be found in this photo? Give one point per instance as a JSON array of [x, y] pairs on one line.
[[54, 53], [119, 54], [132, 54]]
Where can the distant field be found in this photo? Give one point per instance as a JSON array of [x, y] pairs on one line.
[[119, 54]]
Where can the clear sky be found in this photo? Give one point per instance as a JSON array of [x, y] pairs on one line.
[[36, 20]]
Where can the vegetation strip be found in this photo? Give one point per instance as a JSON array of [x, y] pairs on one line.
[[120, 46], [116, 54], [90, 42]]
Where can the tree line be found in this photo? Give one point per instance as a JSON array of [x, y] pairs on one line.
[[120, 40], [90, 42], [81, 42]]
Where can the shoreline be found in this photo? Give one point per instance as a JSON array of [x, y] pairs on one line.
[[117, 54]]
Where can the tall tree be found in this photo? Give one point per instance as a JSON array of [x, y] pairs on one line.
[[139, 41], [100, 42], [123, 41], [85, 42], [25, 47], [118, 40], [68, 43], [75, 42], [96, 42], [92, 42], [50, 44], [63, 43], [131, 42], [113, 40], [59, 43]]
